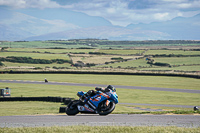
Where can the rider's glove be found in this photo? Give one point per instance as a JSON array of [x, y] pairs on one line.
[[82, 98], [98, 88]]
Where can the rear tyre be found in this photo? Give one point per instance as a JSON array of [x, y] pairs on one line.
[[106, 110], [72, 109]]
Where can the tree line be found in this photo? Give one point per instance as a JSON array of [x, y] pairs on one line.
[[109, 42], [30, 60]]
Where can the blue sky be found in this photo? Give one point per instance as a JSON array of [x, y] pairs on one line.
[[118, 12]]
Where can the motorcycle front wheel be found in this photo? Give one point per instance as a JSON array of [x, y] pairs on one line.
[[105, 110], [72, 109]]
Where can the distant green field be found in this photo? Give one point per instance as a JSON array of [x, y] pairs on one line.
[[108, 51], [141, 64], [24, 65], [123, 52], [179, 68], [179, 60], [124, 64], [43, 44], [107, 55], [35, 55], [102, 44], [175, 52], [33, 44], [51, 50]]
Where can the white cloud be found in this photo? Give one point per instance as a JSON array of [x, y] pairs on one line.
[[161, 16], [13, 3], [176, 1], [30, 3], [119, 12]]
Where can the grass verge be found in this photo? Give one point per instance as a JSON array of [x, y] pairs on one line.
[[28, 108], [41, 108], [96, 129], [128, 80]]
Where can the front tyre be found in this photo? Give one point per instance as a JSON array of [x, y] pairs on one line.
[[103, 110], [72, 109]]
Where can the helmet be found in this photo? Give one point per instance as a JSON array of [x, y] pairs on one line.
[[196, 108], [110, 87]]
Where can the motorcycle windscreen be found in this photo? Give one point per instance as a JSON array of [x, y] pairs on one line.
[[95, 100], [114, 96]]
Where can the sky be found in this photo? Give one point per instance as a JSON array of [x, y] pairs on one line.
[[118, 12]]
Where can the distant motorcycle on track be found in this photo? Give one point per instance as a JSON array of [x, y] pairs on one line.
[[102, 103]]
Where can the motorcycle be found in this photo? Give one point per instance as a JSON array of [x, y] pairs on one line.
[[101, 103]]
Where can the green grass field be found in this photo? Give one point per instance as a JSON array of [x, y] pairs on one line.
[[38, 50], [187, 63], [128, 80], [43, 50], [35, 55], [174, 68], [179, 61], [33, 44], [125, 95], [121, 52], [125, 64], [28, 108], [23, 66], [175, 52], [97, 129]]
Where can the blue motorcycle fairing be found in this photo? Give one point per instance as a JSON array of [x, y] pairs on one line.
[[92, 104], [114, 96], [85, 108], [95, 100]]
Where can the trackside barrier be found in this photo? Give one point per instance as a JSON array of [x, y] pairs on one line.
[[45, 99], [62, 109], [158, 73]]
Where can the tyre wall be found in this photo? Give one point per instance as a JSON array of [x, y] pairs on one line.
[[44, 99]]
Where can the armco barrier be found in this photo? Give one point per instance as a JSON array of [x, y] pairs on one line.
[[45, 99], [150, 73]]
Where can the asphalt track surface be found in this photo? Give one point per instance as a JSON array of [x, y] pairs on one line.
[[96, 120]]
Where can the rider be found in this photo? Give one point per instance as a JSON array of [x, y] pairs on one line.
[[91, 93]]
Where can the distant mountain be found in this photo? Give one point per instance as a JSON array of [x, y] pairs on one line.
[[25, 23], [82, 20], [11, 33], [179, 28], [102, 32], [54, 24]]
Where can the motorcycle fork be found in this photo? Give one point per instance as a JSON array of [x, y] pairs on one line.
[[74, 104]]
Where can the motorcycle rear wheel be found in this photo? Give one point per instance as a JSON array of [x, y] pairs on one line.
[[72, 110], [107, 111]]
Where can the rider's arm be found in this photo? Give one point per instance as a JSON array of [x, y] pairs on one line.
[[90, 93], [100, 89]]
